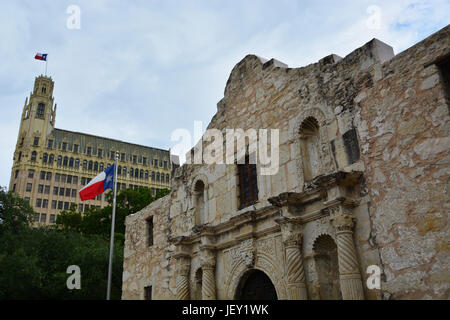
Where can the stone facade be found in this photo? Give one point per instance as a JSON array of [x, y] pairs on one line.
[[362, 180]]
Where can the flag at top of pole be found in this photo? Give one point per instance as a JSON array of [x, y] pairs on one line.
[[41, 56], [102, 182]]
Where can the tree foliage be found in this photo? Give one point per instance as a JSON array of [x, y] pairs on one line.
[[98, 221], [15, 213]]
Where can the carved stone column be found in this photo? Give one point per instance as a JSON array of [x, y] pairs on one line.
[[208, 261], [292, 240], [183, 268], [349, 274]]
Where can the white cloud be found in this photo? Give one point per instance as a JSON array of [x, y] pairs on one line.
[[137, 72]]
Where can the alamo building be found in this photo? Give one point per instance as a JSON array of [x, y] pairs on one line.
[[362, 183]]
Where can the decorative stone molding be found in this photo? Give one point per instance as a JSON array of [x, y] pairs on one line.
[[208, 263], [182, 282], [292, 239], [349, 275]]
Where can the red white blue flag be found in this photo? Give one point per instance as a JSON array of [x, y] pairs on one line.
[[99, 184], [41, 56]]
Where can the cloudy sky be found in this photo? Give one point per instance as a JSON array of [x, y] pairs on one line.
[[138, 70]]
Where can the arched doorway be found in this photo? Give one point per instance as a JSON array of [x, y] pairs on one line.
[[255, 285]]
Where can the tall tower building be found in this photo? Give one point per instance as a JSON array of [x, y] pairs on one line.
[[50, 165]]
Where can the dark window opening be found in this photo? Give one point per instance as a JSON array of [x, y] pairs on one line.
[[248, 187], [150, 231]]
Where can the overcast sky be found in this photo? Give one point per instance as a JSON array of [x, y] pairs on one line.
[[138, 70]]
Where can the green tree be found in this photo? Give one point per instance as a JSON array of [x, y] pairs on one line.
[[15, 213], [98, 221]]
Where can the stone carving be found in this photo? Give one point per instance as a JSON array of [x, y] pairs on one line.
[[291, 234], [350, 278], [183, 268], [208, 262]]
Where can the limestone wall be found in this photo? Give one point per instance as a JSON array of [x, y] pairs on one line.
[[380, 114]]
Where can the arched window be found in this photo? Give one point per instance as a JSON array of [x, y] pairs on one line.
[[50, 159], [59, 162], [44, 158], [66, 160], [102, 166], [77, 163], [141, 174], [146, 174], [84, 164], [33, 156], [157, 176], [119, 170], [124, 171], [199, 202], [167, 178], [153, 175], [95, 166], [136, 173], [90, 165], [309, 133], [131, 172], [40, 110], [71, 162]]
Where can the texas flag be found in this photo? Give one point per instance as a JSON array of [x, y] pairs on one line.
[[99, 184], [41, 56]]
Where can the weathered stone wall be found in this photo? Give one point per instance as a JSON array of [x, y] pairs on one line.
[[146, 265], [382, 115], [404, 131]]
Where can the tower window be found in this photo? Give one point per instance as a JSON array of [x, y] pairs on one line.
[[19, 156], [16, 174], [64, 146], [75, 148], [100, 153], [40, 111], [248, 187], [88, 151], [49, 144], [134, 159], [122, 157], [33, 156], [36, 141]]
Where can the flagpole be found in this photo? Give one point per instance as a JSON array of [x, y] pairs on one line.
[[111, 244]]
